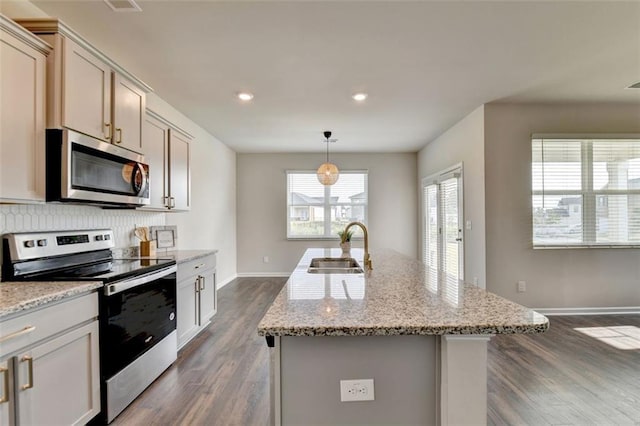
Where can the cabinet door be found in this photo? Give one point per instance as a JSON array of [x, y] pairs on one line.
[[188, 312], [22, 102], [58, 382], [6, 391], [156, 153], [208, 296], [87, 93], [179, 176], [128, 113]]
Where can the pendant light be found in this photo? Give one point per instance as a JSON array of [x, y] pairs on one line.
[[328, 173]]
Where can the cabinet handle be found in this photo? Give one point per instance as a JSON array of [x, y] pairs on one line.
[[29, 360], [165, 201], [199, 266], [5, 387], [197, 283], [173, 202], [109, 135], [202, 283], [25, 330], [119, 138]]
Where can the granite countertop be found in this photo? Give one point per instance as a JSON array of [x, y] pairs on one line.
[[182, 256], [398, 297], [16, 297]]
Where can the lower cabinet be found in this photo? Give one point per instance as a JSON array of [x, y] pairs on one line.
[[197, 297], [54, 378]]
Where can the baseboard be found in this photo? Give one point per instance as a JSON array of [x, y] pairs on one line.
[[263, 274], [227, 281], [589, 311]]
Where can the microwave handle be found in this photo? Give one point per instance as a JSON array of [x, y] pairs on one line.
[[139, 185]]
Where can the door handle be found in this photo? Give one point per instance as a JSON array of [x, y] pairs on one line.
[[29, 360], [458, 239], [109, 135], [5, 387]]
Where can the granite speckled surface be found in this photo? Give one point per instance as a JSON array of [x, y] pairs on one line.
[[398, 297], [16, 297], [182, 256]]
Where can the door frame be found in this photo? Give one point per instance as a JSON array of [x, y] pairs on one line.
[[456, 170]]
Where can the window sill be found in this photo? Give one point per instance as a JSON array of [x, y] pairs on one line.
[[585, 246]]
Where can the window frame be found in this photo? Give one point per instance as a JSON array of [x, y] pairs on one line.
[[327, 235], [587, 193]]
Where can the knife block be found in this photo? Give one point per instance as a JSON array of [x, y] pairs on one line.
[[148, 248]]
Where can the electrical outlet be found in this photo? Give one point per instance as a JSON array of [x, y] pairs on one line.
[[522, 286], [356, 390], [265, 259], [468, 225]]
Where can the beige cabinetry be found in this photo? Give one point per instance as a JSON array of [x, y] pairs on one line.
[[196, 297], [167, 151], [88, 92], [50, 364], [22, 114]]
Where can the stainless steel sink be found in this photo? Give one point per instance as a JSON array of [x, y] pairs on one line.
[[334, 265]]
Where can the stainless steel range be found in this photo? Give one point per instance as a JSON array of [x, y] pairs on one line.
[[138, 338]]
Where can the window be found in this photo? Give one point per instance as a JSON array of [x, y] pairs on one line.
[[318, 211], [585, 191]]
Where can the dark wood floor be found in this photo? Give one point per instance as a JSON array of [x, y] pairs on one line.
[[563, 376], [222, 376], [567, 377]]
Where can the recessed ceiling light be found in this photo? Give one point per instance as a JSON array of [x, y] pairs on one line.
[[359, 97], [245, 96]]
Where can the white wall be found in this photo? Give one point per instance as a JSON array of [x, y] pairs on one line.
[[211, 222], [262, 206], [555, 278], [463, 143]]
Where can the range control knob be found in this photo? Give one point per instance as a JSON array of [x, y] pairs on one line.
[[29, 243], [42, 243], [98, 237]]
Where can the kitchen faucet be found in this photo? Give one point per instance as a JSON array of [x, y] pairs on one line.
[[367, 258]]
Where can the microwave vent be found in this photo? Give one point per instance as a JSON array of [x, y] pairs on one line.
[[123, 5]]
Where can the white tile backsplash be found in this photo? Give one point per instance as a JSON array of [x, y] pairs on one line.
[[56, 217]]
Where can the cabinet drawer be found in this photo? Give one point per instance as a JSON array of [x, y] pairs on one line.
[[31, 327], [196, 266]]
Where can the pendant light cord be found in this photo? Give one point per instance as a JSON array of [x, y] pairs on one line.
[[327, 150]]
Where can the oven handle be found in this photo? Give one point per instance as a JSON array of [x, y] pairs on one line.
[[111, 289]]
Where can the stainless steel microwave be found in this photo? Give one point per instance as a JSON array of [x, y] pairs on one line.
[[82, 169]]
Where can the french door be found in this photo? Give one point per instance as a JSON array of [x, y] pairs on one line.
[[442, 231]]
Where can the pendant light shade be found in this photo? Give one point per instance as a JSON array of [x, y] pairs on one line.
[[328, 173]]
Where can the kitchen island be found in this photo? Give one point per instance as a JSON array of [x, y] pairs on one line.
[[423, 341]]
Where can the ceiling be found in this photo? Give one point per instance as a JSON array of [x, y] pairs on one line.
[[424, 64]]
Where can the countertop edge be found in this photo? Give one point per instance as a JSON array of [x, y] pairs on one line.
[[404, 331], [42, 300], [182, 256]]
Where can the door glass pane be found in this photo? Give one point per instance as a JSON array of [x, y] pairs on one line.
[[430, 249], [450, 231]]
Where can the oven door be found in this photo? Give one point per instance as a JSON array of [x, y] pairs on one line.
[[136, 314]]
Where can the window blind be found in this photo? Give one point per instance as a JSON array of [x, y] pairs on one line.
[[318, 211], [585, 192]]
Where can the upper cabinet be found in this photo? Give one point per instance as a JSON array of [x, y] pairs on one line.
[[22, 118], [167, 151], [87, 91]]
